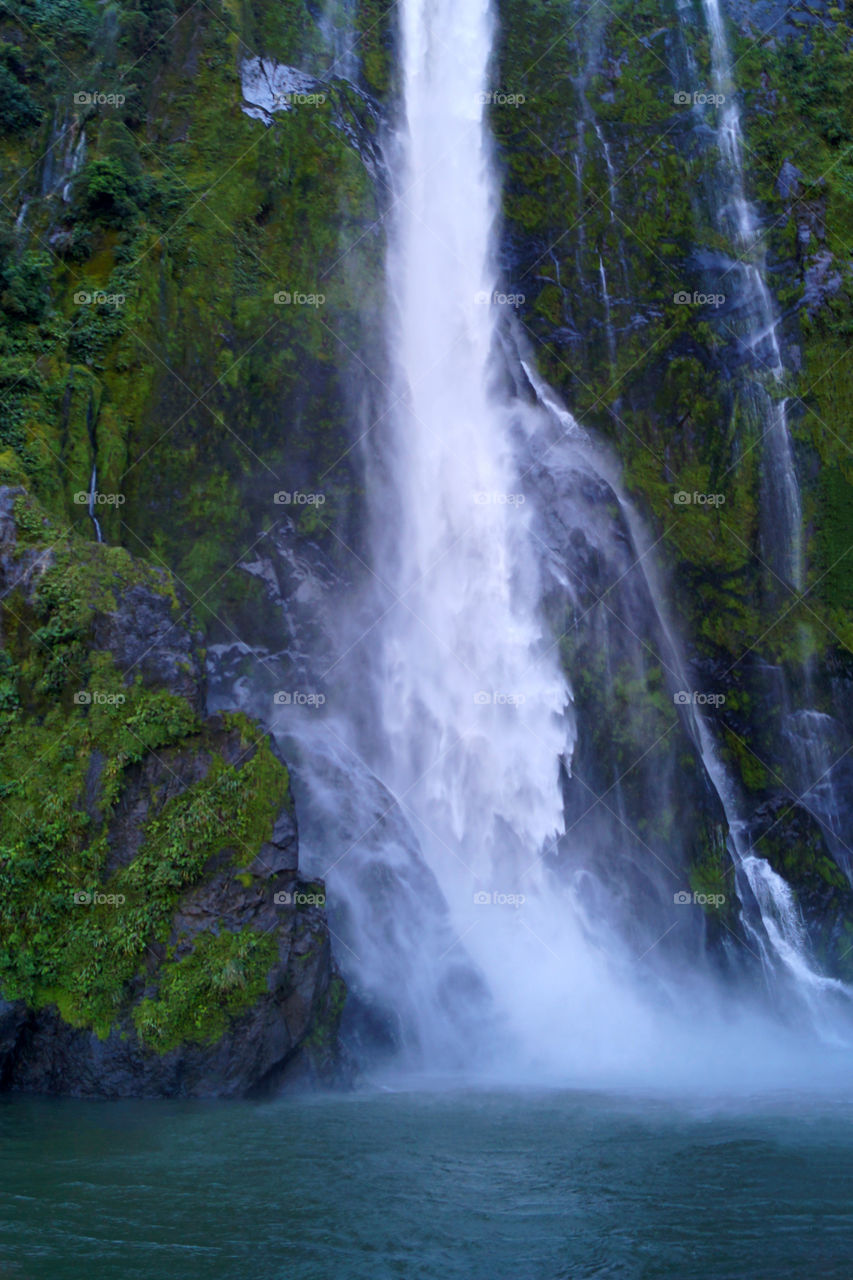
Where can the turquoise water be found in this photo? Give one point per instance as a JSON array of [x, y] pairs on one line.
[[497, 1186]]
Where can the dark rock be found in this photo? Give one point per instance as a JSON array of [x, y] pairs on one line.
[[18, 568], [144, 637], [281, 853], [150, 785], [265, 1048], [788, 184], [822, 281], [13, 1018], [291, 1032], [93, 786], [8, 528]]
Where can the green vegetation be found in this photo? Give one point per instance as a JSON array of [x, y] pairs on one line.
[[678, 419], [223, 975], [140, 329], [76, 738]]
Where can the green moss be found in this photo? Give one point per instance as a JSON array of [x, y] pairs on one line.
[[800, 859], [836, 525], [753, 773], [374, 24], [53, 848], [234, 806], [322, 1040], [711, 879], [195, 221], [74, 933], [199, 994], [679, 420]]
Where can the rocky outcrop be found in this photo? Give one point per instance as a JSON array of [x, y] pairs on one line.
[[156, 938], [285, 1037], [137, 617], [269, 87]]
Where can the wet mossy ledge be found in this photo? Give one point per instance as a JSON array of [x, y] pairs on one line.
[[155, 935]]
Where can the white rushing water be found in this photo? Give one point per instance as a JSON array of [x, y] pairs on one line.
[[470, 712], [432, 800], [783, 517], [775, 931], [474, 712]]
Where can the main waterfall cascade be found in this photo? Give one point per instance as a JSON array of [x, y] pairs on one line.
[[482, 920], [473, 709]]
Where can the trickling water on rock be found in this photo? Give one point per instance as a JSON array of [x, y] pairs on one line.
[[755, 324]]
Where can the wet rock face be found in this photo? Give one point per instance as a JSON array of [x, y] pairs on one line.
[[263, 1049], [139, 625], [775, 18], [143, 635], [663, 393], [633, 736], [214, 950], [795, 844], [268, 87]]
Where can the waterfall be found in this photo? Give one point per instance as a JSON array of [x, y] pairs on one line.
[[469, 723], [774, 927], [472, 713], [805, 733], [93, 497], [608, 318], [472, 927], [757, 319], [465, 713], [337, 28]]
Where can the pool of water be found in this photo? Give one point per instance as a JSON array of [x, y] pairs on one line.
[[429, 1186]]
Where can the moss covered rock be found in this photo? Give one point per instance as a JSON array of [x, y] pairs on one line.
[[155, 936]]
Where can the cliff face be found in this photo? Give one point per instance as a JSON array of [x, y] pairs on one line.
[[191, 264], [155, 934], [636, 306]]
